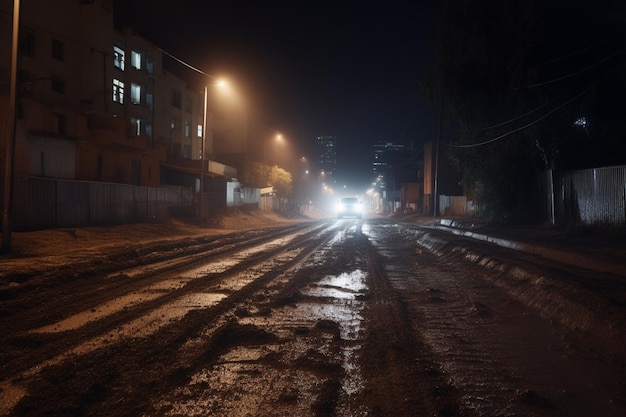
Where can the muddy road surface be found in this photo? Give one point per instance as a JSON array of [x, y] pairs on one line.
[[326, 318]]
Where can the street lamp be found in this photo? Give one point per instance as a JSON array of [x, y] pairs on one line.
[[278, 138]]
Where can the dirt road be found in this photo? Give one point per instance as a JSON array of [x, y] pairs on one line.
[[325, 318]]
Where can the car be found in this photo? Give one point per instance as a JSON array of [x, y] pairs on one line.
[[349, 207]]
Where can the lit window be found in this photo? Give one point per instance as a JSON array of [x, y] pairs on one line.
[[199, 131], [118, 91], [140, 127], [135, 93], [118, 57], [136, 59], [136, 126]]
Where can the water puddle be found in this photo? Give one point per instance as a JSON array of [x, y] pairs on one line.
[[346, 286]]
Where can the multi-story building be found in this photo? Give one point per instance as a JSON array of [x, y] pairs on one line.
[[394, 165], [327, 157], [94, 101]]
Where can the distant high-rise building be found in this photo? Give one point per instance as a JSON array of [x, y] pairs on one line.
[[395, 162], [327, 157], [384, 155]]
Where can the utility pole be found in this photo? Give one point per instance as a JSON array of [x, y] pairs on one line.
[[10, 137], [436, 177]]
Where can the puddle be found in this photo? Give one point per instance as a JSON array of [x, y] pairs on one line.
[[344, 286]]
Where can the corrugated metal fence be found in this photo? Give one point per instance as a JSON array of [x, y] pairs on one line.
[[40, 203], [584, 197]]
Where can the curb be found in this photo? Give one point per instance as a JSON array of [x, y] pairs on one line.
[[574, 259]]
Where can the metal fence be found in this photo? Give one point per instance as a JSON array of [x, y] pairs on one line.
[[40, 203], [590, 196]]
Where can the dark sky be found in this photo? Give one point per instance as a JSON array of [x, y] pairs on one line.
[[343, 68]]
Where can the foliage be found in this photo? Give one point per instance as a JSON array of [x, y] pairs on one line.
[[530, 85], [256, 174]]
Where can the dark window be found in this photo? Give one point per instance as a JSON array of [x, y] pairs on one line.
[[27, 43], [57, 49], [61, 124], [136, 172], [57, 85], [177, 99], [99, 167]]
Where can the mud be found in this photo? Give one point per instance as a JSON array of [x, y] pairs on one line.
[[328, 318]]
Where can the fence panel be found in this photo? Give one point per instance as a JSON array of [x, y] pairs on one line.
[[40, 203], [72, 202], [34, 203], [591, 196]]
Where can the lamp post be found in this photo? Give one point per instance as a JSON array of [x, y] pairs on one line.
[[202, 152], [222, 85], [10, 136]]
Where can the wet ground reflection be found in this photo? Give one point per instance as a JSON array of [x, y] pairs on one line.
[[318, 341]]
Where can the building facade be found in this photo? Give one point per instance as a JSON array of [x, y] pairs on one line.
[[327, 158], [95, 101]]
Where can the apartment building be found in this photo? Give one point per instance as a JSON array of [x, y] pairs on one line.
[[95, 102]]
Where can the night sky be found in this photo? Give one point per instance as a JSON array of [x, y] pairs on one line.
[[344, 68]]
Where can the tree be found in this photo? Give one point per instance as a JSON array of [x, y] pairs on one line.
[[528, 85], [256, 174]]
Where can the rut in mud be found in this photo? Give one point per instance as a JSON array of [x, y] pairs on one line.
[[331, 318], [284, 324]]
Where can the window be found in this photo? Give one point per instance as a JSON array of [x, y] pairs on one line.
[[140, 127], [199, 131], [99, 165], [187, 151], [118, 91], [187, 129], [57, 85], [136, 60], [61, 124], [188, 104], [150, 101], [177, 99], [135, 93], [150, 68], [118, 57], [57, 49], [27, 43], [136, 127], [135, 167]]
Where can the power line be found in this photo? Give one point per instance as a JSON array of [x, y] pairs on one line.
[[482, 129], [487, 142], [570, 75]]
